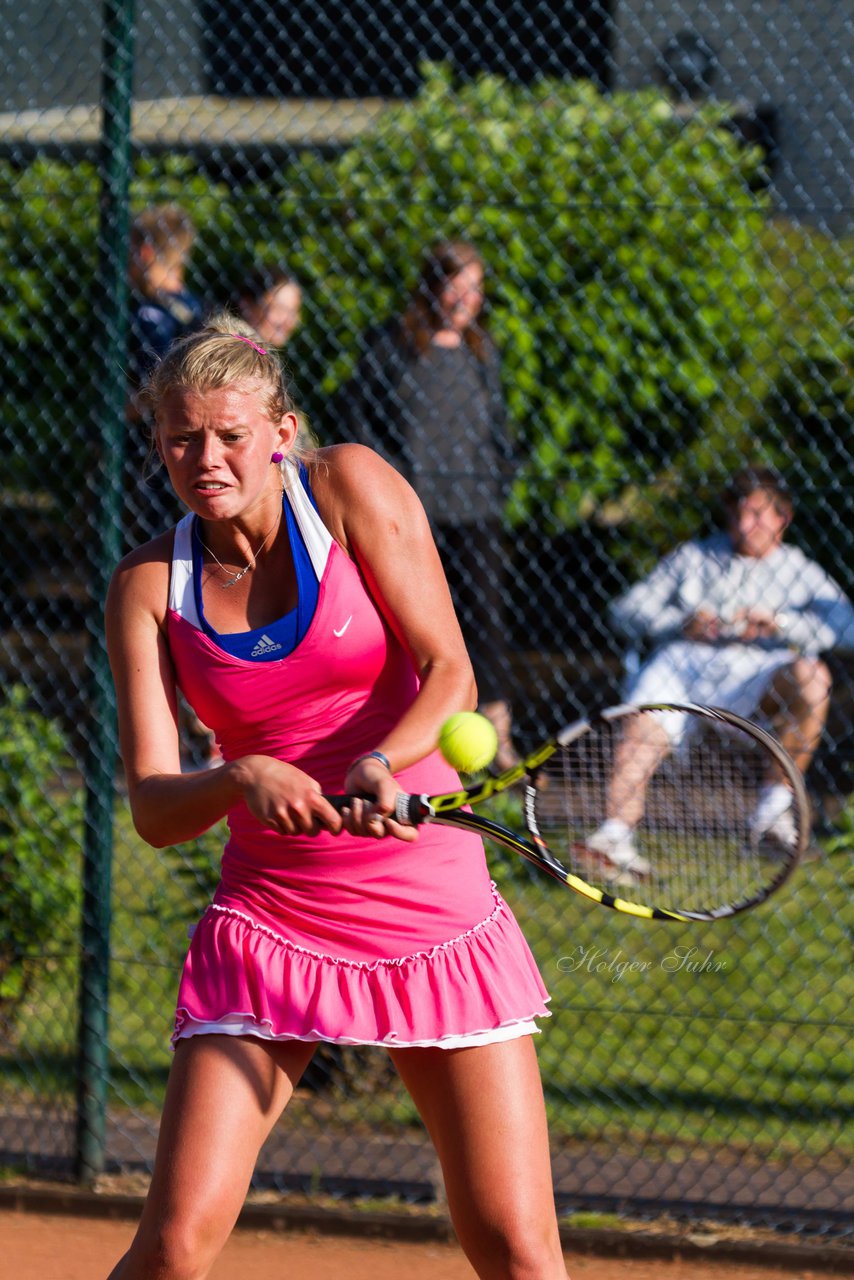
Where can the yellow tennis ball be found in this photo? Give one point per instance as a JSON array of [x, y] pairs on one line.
[[468, 741]]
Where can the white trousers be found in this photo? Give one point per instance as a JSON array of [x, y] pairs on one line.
[[732, 676]]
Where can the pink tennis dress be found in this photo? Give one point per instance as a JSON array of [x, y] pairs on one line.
[[328, 937]]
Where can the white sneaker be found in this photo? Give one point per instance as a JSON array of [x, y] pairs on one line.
[[619, 847], [780, 833], [597, 867]]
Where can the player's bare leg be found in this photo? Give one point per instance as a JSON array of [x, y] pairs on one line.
[[611, 848], [798, 701], [225, 1093], [483, 1107], [501, 718], [641, 749]]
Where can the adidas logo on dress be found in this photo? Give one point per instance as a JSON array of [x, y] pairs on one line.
[[264, 645]]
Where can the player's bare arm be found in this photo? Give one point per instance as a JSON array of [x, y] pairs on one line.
[[379, 520], [170, 806]]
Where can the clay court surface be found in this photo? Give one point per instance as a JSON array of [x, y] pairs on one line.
[[50, 1247]]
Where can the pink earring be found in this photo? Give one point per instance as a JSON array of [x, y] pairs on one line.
[[277, 457]]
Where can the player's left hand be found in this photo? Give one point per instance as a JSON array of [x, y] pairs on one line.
[[373, 819]]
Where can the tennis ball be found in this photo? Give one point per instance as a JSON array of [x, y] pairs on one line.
[[468, 741]]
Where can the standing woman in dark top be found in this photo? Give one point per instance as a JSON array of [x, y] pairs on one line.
[[427, 395]]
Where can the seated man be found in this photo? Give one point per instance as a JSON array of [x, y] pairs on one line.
[[738, 621]]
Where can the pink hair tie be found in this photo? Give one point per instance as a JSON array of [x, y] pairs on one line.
[[249, 343]]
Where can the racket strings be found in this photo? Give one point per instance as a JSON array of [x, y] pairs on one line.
[[688, 837]]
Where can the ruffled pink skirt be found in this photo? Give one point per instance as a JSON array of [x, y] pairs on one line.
[[243, 978]]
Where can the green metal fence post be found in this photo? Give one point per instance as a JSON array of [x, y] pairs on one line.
[[111, 312]]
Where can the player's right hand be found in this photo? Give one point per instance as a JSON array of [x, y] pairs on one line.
[[284, 798]]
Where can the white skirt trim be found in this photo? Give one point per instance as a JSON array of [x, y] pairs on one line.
[[239, 1024]]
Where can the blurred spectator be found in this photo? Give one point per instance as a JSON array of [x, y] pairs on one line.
[[739, 621], [427, 395], [161, 310], [270, 299]]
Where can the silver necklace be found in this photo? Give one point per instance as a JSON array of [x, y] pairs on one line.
[[234, 578]]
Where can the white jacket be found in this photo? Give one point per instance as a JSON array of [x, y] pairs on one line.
[[811, 611]]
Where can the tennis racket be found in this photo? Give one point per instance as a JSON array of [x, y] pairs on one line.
[[690, 783]]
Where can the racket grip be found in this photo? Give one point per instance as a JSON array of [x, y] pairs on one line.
[[343, 802], [409, 810]]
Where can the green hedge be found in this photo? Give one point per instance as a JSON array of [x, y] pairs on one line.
[[652, 318], [41, 830], [49, 256], [622, 247]]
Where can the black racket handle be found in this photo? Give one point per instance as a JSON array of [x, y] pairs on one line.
[[408, 810], [343, 802]]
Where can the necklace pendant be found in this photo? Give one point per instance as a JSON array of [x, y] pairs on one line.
[[236, 578]]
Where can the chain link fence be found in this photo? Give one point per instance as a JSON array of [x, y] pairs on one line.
[[661, 197]]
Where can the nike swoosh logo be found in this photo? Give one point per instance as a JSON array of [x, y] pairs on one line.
[[344, 628]]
